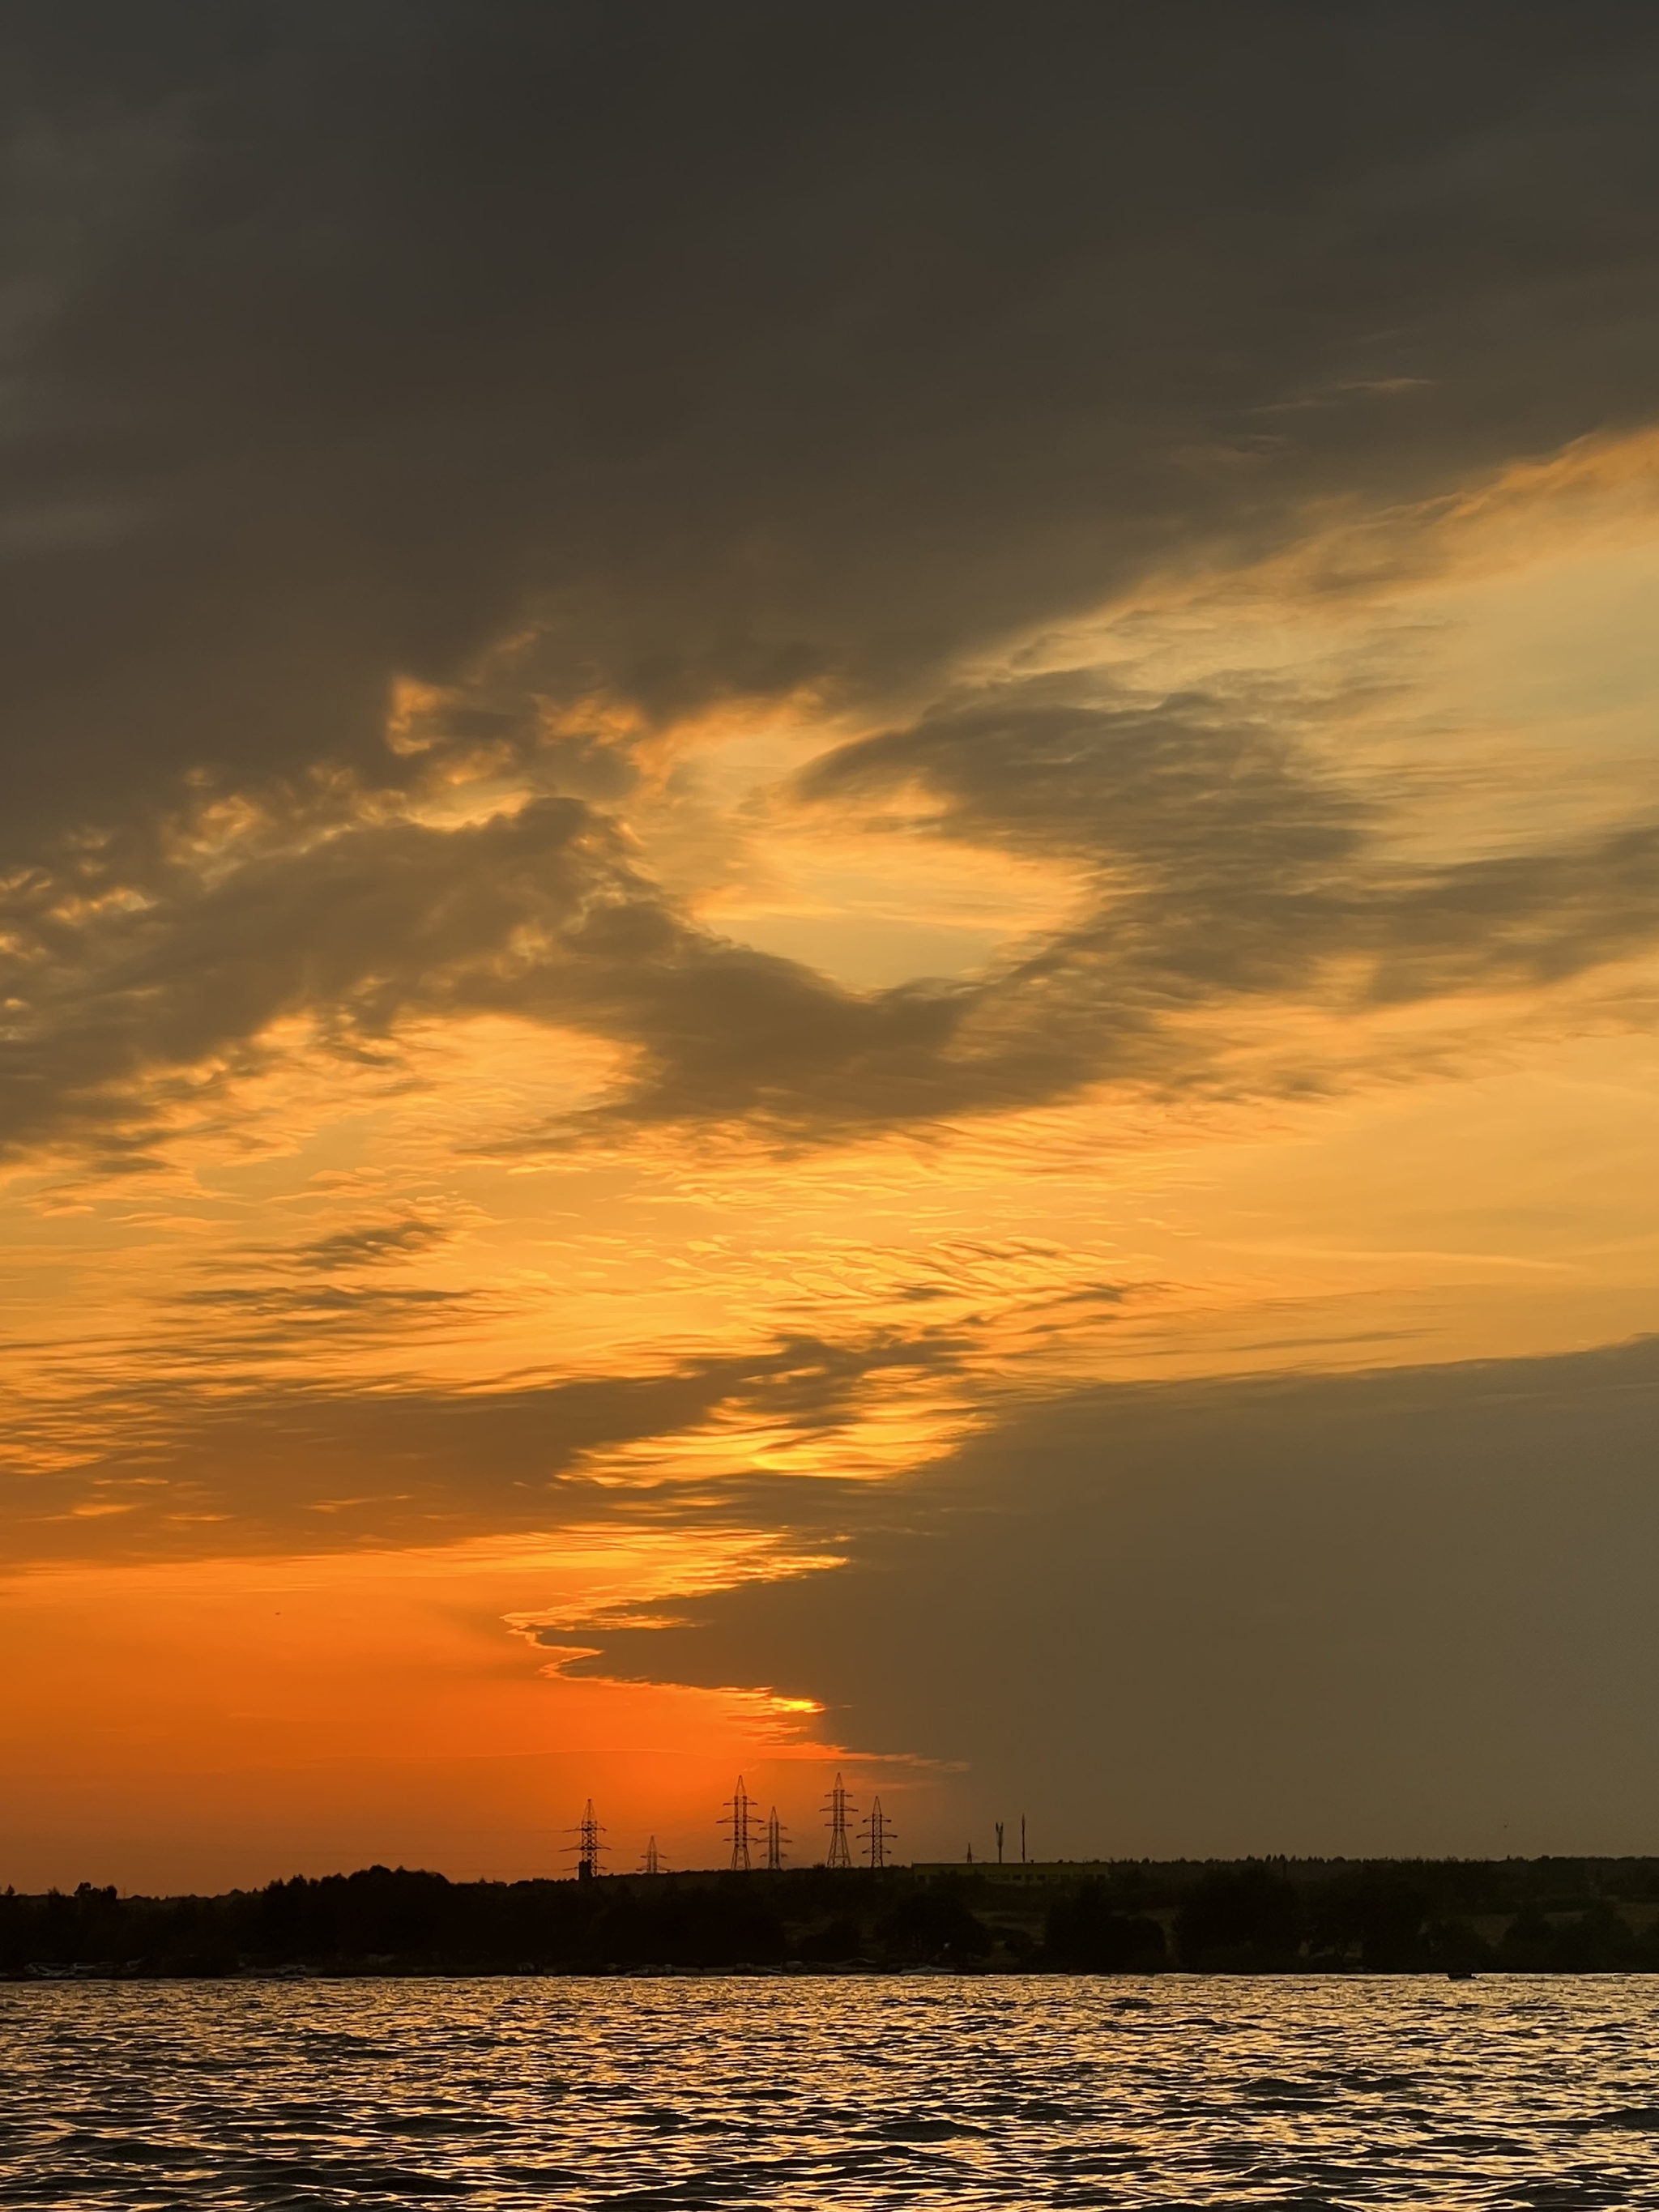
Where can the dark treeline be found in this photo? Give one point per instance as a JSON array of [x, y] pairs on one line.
[[1250, 1917]]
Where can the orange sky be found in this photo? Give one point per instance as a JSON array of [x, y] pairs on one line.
[[624, 958], [1462, 1175]]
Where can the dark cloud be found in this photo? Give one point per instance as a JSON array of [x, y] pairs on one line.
[[722, 349], [741, 346], [1400, 1611], [135, 988], [1229, 866], [1231, 858], [127, 970]]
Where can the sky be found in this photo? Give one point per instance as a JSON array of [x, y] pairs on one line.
[[829, 929]]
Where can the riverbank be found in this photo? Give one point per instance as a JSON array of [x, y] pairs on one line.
[[1142, 1917]]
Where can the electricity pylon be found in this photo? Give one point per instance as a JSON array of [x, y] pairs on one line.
[[776, 1836], [653, 1862], [878, 1833], [837, 1807], [739, 1808], [587, 1847]]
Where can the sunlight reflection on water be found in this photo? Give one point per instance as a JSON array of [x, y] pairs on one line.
[[1186, 2091]]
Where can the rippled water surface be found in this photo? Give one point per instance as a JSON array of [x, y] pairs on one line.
[[1183, 2091]]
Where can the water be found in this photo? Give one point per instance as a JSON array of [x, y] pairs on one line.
[[1511, 2090]]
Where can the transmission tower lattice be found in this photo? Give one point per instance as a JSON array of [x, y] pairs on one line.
[[739, 1814], [878, 1833], [587, 1847], [776, 1836], [837, 1807], [653, 1862]]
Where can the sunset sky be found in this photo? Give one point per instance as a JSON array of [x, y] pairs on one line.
[[828, 928]]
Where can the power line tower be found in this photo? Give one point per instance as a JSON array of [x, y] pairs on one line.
[[587, 1847], [776, 1836], [999, 1843], [837, 1807], [739, 1811], [1021, 1839], [878, 1833], [653, 1862]]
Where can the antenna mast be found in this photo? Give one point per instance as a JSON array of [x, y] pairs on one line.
[[840, 1850]]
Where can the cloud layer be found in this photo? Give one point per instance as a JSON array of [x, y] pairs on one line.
[[506, 503], [744, 349], [835, 349], [1369, 1612], [1229, 868]]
